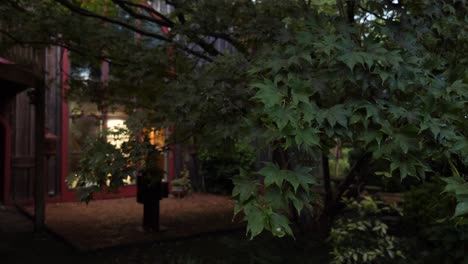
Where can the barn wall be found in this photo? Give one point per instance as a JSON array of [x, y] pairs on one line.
[[22, 122]]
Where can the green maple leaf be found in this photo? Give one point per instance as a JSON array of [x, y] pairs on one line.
[[337, 114], [304, 177], [462, 206], [268, 94], [300, 96], [272, 174], [275, 198], [309, 110], [458, 187], [293, 180], [351, 59], [244, 188], [256, 221], [297, 203], [327, 45], [308, 136], [280, 225], [461, 145]]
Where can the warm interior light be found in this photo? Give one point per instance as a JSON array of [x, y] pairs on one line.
[[157, 137], [114, 125]]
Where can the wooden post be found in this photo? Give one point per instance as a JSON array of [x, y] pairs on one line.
[[39, 181]]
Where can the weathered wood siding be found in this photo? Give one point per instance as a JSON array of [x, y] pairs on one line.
[[22, 124], [46, 63]]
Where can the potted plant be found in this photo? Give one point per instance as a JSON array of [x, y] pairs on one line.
[[181, 186]]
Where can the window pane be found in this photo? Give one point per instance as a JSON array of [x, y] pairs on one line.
[[80, 130]]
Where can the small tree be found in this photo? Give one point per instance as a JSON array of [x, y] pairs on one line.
[[109, 166], [369, 79]]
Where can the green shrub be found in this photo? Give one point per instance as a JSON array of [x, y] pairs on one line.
[[434, 236], [184, 180], [360, 236], [424, 205], [221, 163], [446, 242]]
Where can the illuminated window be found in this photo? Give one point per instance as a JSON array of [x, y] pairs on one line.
[[157, 137], [113, 125], [87, 121]]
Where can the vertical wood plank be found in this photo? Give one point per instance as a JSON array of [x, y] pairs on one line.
[[39, 182]]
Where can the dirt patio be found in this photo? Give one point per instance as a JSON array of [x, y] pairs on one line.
[[109, 223]]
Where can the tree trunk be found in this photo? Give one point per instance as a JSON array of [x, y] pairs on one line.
[[332, 203], [326, 217], [351, 177]]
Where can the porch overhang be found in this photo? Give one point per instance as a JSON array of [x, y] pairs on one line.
[[14, 79]]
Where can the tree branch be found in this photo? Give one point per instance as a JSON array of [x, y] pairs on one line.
[[157, 17], [208, 47], [370, 12], [204, 45], [87, 13], [149, 9], [236, 44]]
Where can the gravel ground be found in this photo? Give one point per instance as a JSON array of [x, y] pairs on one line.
[[20, 245], [109, 223]]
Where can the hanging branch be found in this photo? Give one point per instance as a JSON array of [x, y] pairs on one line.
[[157, 17], [87, 13], [236, 44]]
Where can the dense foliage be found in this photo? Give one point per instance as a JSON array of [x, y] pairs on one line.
[[369, 81], [360, 235], [386, 78], [221, 163], [432, 235]]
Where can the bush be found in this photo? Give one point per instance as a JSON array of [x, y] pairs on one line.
[[433, 235], [184, 180], [360, 236], [425, 205], [221, 163]]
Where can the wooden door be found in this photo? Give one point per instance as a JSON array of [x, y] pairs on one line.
[[22, 161]]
